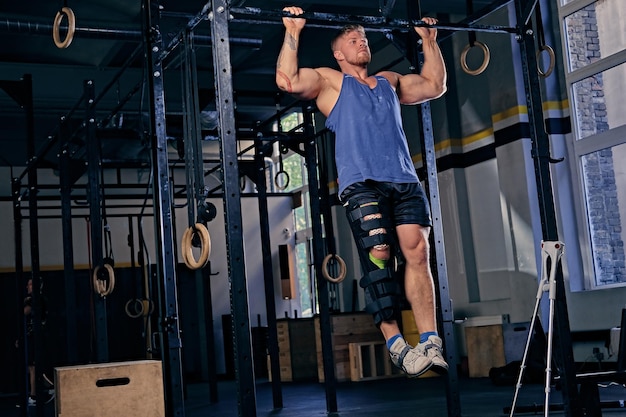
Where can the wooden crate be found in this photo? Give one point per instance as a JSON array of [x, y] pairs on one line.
[[370, 360], [284, 352], [110, 390], [345, 329], [485, 349], [296, 345]]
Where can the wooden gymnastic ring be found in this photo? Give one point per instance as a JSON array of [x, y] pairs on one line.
[[187, 247], [486, 58], [99, 285], [138, 311], [205, 240], [281, 187], [146, 307], [342, 268], [71, 28], [550, 52]]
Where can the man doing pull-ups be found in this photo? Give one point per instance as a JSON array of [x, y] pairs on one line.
[[385, 203]]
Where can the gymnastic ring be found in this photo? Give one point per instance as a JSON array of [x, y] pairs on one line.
[[205, 241], [71, 28], [281, 187], [99, 285], [486, 58], [138, 312], [550, 52], [342, 268], [146, 307]]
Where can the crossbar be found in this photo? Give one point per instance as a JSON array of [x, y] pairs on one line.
[[332, 20]]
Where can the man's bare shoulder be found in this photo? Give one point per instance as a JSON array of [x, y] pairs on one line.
[[392, 77]]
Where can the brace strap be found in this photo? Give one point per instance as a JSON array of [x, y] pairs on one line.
[[373, 240], [383, 293], [379, 285], [375, 277], [374, 223], [382, 309], [357, 213]]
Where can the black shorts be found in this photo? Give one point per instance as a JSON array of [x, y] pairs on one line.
[[407, 201]]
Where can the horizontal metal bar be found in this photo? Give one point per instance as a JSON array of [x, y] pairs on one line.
[[9, 25], [370, 22]]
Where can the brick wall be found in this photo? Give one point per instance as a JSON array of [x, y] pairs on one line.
[[591, 115]]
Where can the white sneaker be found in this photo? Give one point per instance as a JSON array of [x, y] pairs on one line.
[[412, 361], [433, 349], [32, 402]]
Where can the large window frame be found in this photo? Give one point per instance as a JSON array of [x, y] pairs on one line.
[[589, 147]]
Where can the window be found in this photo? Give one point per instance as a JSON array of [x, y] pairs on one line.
[[604, 195], [293, 165], [594, 39]]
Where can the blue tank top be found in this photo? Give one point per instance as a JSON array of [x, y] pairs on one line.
[[370, 143]]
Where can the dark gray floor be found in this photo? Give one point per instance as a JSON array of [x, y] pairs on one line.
[[391, 397], [398, 396]]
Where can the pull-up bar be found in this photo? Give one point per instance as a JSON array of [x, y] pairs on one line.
[[332, 20]]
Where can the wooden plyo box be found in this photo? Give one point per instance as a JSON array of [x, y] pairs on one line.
[[370, 360], [110, 390], [346, 328], [485, 349], [297, 356]]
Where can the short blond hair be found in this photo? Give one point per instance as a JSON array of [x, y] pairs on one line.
[[345, 30]]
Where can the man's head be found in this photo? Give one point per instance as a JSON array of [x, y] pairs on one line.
[[350, 46]]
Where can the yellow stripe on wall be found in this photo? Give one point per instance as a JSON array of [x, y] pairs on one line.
[[498, 117]]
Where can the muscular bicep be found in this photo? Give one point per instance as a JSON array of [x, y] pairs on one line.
[[413, 88], [306, 84]]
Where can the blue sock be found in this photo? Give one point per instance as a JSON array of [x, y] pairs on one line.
[[424, 336], [393, 339]]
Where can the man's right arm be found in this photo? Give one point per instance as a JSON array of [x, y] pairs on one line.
[[304, 83]]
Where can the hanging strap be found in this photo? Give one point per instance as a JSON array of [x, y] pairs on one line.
[[541, 44], [471, 42]]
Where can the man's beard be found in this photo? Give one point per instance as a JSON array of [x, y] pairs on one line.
[[361, 60]]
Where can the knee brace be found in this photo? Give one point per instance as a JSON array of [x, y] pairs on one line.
[[382, 294], [371, 229]]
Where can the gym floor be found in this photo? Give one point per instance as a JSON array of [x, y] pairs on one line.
[[424, 397]]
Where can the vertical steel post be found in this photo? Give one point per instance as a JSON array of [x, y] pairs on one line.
[[244, 370], [205, 274], [21, 89], [34, 236], [268, 274], [94, 196], [541, 156], [330, 381], [69, 282], [16, 188], [171, 344], [445, 315]]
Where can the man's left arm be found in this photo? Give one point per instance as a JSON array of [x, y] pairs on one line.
[[430, 83]]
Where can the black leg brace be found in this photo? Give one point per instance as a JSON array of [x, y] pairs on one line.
[[382, 291]]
